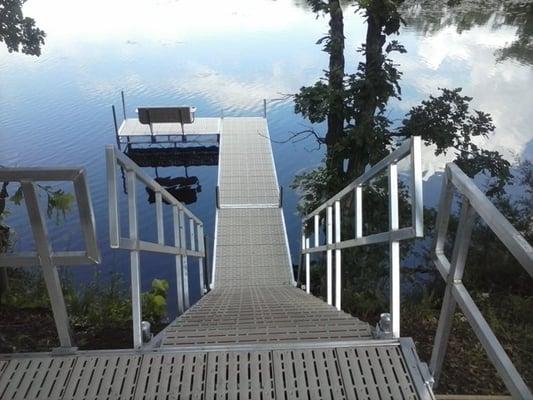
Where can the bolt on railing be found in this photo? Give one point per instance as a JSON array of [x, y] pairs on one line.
[[473, 203], [181, 217], [45, 256], [335, 243]]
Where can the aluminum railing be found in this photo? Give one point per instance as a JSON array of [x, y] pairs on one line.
[[473, 203], [181, 249], [45, 256], [335, 243]]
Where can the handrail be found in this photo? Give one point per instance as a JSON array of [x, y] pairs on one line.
[[411, 147], [46, 256], [181, 249], [474, 203]]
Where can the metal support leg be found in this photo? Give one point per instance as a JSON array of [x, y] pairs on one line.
[[338, 264], [184, 261], [179, 265], [50, 274], [307, 268], [457, 265], [329, 240], [201, 263], [394, 251], [134, 261]]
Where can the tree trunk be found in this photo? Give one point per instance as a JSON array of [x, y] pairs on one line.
[[335, 84]]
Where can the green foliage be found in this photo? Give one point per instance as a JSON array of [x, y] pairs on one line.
[[154, 302], [19, 33], [98, 304], [447, 122], [59, 202]]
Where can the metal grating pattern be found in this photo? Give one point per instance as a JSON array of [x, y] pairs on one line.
[[35, 378], [262, 315], [172, 376], [200, 126], [240, 375], [375, 373], [355, 372], [103, 378], [251, 248], [247, 173]]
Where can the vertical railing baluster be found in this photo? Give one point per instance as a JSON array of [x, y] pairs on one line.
[[159, 217], [394, 251], [202, 259], [317, 229], [417, 208], [134, 259], [307, 268], [184, 260], [179, 265], [329, 241], [338, 265], [358, 212], [192, 236]]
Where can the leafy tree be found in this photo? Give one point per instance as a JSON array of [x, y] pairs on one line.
[[19, 33]]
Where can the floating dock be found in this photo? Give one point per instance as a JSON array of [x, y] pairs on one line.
[[255, 335]]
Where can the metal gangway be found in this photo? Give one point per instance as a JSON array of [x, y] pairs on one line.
[[254, 334]]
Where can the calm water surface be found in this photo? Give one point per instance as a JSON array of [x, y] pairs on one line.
[[55, 109]]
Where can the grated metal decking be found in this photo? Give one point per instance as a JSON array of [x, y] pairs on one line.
[[254, 335], [357, 371]]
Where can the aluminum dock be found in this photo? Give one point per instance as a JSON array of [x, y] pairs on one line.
[[254, 334]]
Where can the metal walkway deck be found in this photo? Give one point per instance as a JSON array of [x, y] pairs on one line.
[[254, 335]]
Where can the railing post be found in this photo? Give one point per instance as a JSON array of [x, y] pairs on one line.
[[307, 268], [123, 104], [455, 274], [316, 220], [159, 217], [417, 213], [329, 241], [338, 264], [202, 261], [50, 274], [184, 261], [134, 260], [394, 251], [179, 265], [117, 137], [358, 212]]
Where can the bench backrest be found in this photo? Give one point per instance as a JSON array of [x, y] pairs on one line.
[[155, 115]]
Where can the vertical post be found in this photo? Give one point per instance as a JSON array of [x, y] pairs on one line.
[[202, 260], [117, 137], [264, 108], [114, 221], [159, 216], [192, 236], [443, 217], [329, 241], [123, 104], [307, 268], [134, 260], [184, 261], [50, 274], [317, 229], [457, 266], [394, 251], [416, 194], [338, 272], [179, 266], [358, 212]]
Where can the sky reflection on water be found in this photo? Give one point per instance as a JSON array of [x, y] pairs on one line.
[[225, 56]]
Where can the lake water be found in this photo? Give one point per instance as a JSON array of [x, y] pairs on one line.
[[55, 109]]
